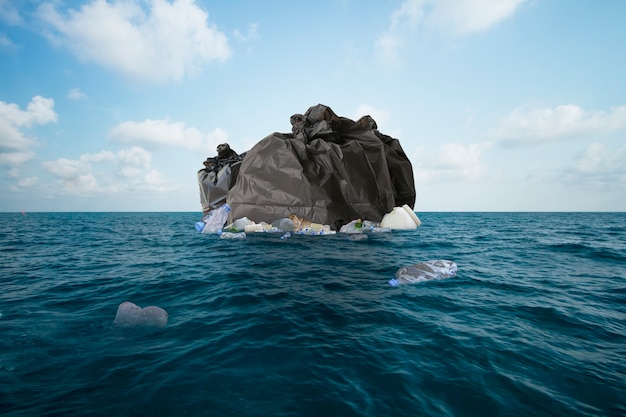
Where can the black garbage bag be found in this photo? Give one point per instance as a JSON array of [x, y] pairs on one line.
[[329, 170], [218, 176]]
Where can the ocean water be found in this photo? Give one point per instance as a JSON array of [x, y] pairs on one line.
[[533, 325]]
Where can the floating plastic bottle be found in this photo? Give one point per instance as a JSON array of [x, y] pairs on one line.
[[355, 226], [216, 219], [284, 224], [232, 235], [369, 225], [314, 231], [425, 271], [239, 225]]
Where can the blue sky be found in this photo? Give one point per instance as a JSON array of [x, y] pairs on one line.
[[501, 105]]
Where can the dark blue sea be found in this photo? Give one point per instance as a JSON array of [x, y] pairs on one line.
[[534, 324]]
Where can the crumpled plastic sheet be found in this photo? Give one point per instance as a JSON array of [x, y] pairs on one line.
[[131, 315], [214, 185]]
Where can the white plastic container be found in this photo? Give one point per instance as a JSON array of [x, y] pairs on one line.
[[400, 218], [255, 227]]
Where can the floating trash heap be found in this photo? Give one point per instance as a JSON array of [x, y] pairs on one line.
[[329, 174]]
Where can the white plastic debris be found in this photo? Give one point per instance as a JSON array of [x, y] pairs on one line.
[[400, 218], [425, 271], [131, 315]]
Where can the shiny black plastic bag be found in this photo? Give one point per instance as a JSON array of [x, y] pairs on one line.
[[329, 170], [218, 176]]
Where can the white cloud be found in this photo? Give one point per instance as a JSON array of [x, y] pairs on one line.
[[65, 169], [28, 182], [22, 183], [135, 156], [450, 162], [6, 42], [40, 110], [15, 146], [387, 47], [167, 41], [104, 171], [74, 175], [451, 17], [462, 17], [129, 162], [9, 13], [163, 133], [252, 34], [560, 122], [76, 95], [600, 166], [596, 159], [154, 181], [14, 158], [381, 116]]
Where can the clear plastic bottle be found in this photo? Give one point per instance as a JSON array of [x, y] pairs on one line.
[[355, 226], [370, 225], [284, 224], [425, 271], [216, 219], [239, 225]]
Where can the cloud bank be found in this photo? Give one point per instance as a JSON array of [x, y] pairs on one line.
[[152, 40], [92, 173]]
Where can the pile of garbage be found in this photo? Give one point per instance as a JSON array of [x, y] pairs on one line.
[[328, 170], [400, 218]]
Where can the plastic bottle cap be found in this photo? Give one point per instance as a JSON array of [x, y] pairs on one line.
[[394, 282], [199, 226]]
